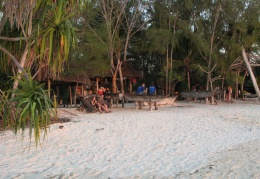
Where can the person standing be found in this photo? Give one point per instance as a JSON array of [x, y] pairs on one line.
[[229, 94], [152, 89]]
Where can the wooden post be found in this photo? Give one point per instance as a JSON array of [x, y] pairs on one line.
[[251, 73], [97, 84], [111, 102], [123, 102], [130, 85], [141, 105], [117, 103], [236, 92], [49, 88], [57, 91], [82, 90], [75, 94], [224, 94], [150, 104], [155, 105], [70, 92], [58, 96]]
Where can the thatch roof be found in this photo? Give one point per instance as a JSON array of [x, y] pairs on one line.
[[63, 77], [75, 79], [81, 76]]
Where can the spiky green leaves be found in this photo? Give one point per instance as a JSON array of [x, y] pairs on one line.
[[33, 108]]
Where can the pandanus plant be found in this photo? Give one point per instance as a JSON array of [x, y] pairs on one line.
[[31, 106]]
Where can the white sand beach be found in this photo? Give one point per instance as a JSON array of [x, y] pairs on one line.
[[186, 140]]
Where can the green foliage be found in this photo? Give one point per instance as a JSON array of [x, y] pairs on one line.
[[4, 82], [197, 71], [231, 78], [56, 34], [7, 113], [177, 64], [176, 77], [159, 39], [186, 27], [90, 58], [32, 109]]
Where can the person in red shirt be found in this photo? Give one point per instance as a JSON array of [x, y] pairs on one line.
[[101, 91]]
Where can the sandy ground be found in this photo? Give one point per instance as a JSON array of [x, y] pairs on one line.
[[184, 140]]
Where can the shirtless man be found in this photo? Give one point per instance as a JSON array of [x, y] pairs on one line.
[[100, 102]]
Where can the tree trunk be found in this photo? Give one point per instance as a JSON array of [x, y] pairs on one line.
[[222, 87], [211, 46], [242, 85], [70, 93], [188, 79], [236, 92], [121, 78], [97, 87], [49, 88], [24, 55], [251, 73], [166, 73], [22, 63], [75, 97], [114, 83], [170, 75]]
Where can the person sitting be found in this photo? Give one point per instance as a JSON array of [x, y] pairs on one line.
[[141, 89], [106, 99], [100, 103], [152, 89]]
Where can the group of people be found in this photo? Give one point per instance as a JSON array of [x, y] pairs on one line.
[[99, 102], [142, 90], [96, 102]]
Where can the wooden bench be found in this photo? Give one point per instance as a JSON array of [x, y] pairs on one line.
[[140, 99], [114, 97]]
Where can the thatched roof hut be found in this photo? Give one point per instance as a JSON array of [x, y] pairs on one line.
[[72, 83]]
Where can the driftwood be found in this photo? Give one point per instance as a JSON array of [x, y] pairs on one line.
[[200, 94], [140, 99], [196, 94], [168, 100], [86, 103]]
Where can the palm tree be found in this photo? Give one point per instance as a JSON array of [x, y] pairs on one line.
[[44, 37]]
